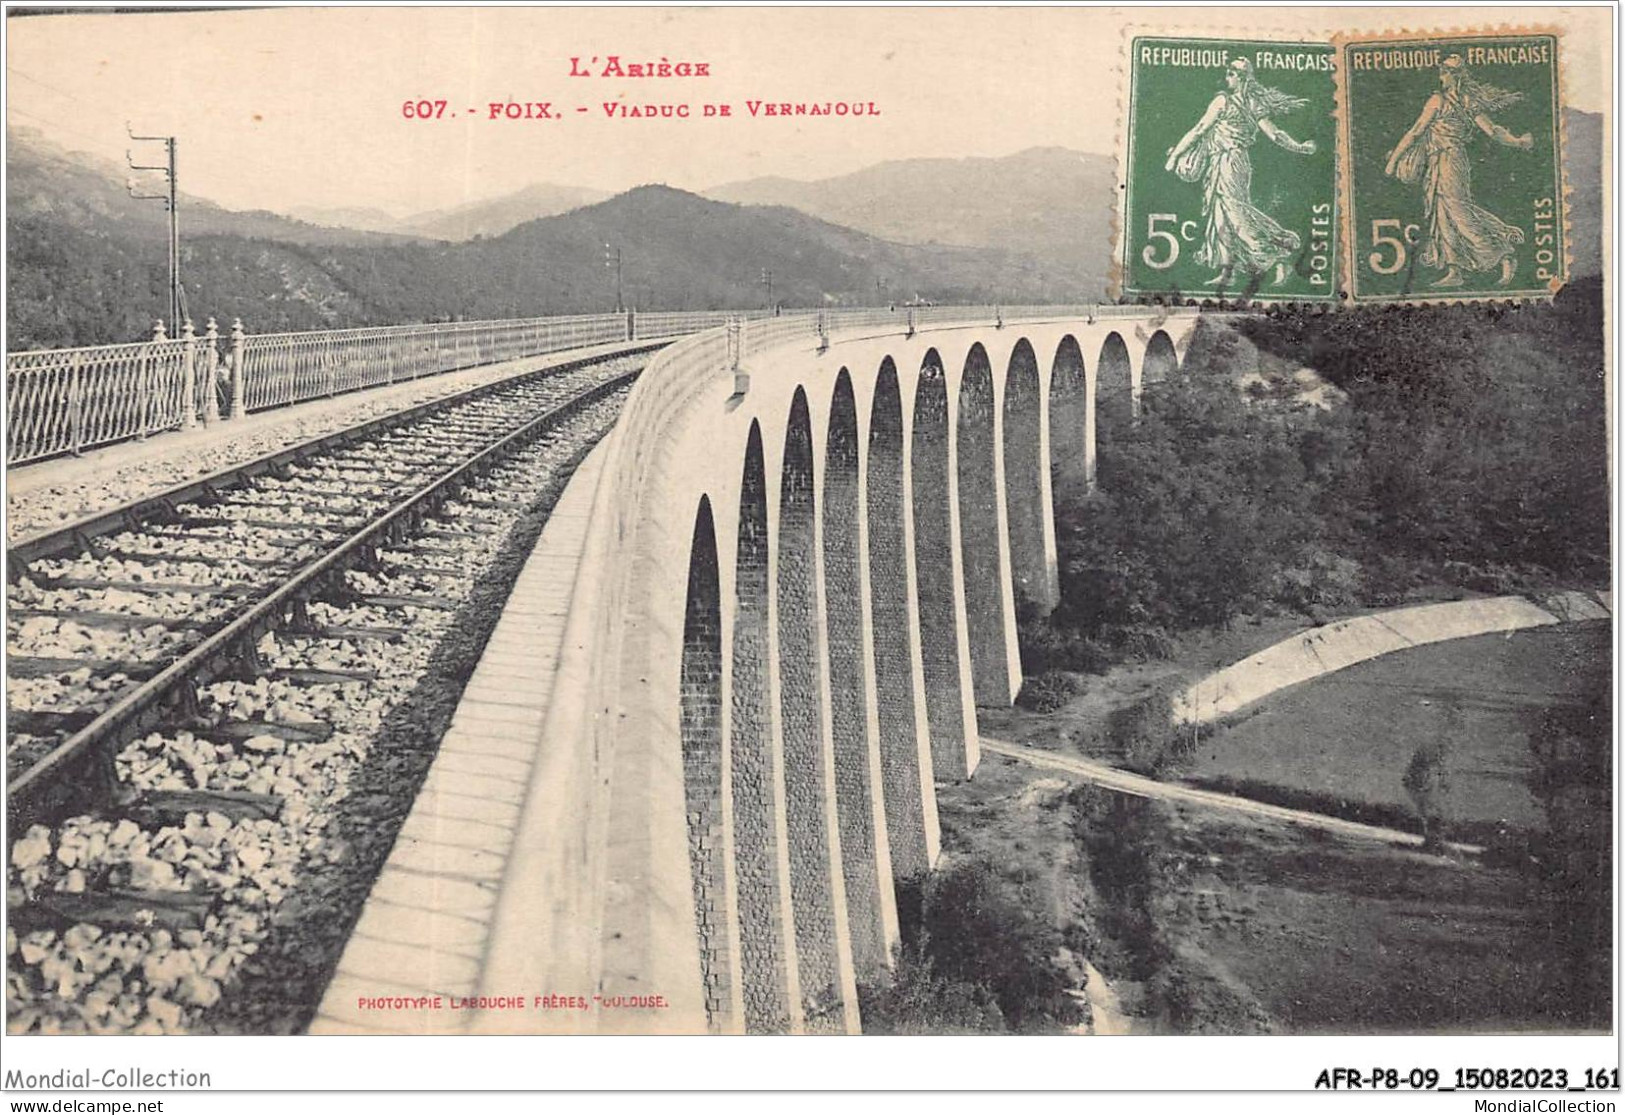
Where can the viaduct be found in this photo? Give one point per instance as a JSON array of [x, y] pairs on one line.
[[799, 579]]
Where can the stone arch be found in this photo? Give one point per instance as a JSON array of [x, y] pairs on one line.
[[1116, 401], [860, 810], [1114, 381], [702, 727], [1032, 569], [801, 669], [1071, 420], [933, 568], [980, 557], [892, 609], [764, 959], [1161, 361]]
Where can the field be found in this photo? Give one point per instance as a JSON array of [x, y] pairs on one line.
[[1344, 742], [1464, 455], [1204, 922], [1201, 922], [1322, 936]]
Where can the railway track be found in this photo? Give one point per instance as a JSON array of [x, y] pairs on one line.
[[194, 680]]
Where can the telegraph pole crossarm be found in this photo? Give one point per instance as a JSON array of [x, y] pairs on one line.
[[172, 204]]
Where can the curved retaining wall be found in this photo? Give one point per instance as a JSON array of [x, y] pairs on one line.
[[798, 582], [1322, 650]]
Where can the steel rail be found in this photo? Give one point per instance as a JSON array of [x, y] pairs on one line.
[[213, 655], [129, 516]]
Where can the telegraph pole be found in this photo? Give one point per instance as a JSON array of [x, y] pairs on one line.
[[172, 203], [767, 281], [612, 258]]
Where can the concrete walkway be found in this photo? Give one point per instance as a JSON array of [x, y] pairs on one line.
[[425, 929], [1322, 650], [1124, 782]]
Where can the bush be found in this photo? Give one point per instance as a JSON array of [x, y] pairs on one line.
[[1320, 580], [975, 958], [1200, 502], [1471, 449], [1048, 691], [921, 1001], [1145, 735], [1048, 645], [978, 930], [1119, 837]]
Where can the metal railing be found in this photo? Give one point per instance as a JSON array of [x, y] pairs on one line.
[[653, 326], [68, 400], [283, 368]]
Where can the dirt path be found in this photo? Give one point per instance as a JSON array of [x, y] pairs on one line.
[[1109, 1017], [1099, 774]]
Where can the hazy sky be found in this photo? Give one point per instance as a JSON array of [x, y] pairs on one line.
[[284, 108]]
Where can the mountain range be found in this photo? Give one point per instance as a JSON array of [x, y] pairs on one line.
[[47, 183], [1038, 200], [86, 263], [1045, 199], [491, 217]]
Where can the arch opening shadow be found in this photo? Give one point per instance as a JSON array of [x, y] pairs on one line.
[[933, 569], [1161, 361], [1114, 392], [979, 533], [1030, 572], [701, 724], [1071, 421]]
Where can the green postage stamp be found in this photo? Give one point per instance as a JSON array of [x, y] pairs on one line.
[[1381, 168], [1452, 152], [1230, 175]]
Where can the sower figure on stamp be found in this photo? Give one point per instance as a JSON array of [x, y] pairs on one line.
[[1460, 235], [1237, 235]]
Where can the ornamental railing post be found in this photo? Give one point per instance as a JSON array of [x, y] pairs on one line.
[[145, 383], [189, 377], [736, 356], [76, 400], [211, 372], [235, 359]]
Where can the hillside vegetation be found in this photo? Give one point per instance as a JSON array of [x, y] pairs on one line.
[[1470, 453], [87, 264]]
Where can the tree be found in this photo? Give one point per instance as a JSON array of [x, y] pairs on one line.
[[1426, 784]]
